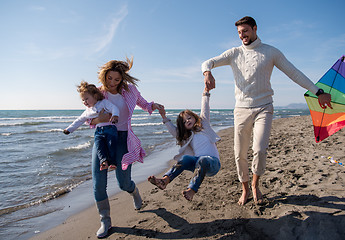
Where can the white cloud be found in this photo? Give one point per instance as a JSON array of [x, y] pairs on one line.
[[37, 8], [68, 49], [190, 73], [103, 41], [35, 52]]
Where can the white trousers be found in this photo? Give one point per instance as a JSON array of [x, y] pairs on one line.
[[258, 121]]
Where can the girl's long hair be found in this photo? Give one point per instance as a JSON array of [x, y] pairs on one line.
[[182, 133], [85, 87], [122, 67]]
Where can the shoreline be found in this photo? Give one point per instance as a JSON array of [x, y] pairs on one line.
[[56, 211], [303, 192]]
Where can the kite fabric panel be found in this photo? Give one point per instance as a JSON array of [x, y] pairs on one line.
[[328, 121]]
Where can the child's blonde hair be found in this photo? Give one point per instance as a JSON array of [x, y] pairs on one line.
[[182, 133], [85, 87], [122, 67]]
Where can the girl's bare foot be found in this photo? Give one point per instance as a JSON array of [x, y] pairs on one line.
[[188, 194], [159, 182], [257, 196]]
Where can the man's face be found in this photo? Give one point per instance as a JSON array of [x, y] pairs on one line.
[[246, 33]]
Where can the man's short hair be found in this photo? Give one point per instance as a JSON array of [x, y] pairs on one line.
[[246, 20]]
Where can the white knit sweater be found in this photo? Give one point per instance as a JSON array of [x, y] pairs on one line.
[[252, 66]]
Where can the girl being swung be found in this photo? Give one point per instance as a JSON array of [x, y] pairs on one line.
[[198, 152]]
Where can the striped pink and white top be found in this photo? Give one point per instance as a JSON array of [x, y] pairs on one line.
[[135, 151]]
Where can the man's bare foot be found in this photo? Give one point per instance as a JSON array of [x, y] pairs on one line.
[[245, 194], [257, 196], [188, 194], [159, 182], [244, 198]]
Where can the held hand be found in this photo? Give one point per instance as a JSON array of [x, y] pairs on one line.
[[104, 166], [103, 117], [325, 100], [210, 82], [156, 106], [112, 167], [162, 112], [114, 119]]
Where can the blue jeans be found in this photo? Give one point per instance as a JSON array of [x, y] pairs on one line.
[[201, 166], [99, 178], [105, 143]]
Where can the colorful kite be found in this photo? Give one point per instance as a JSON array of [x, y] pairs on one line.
[[328, 121]]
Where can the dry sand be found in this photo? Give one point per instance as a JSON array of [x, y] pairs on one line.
[[304, 197]]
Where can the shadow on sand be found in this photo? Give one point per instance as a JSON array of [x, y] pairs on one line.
[[293, 225]]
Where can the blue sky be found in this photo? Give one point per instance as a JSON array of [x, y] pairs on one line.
[[48, 47]]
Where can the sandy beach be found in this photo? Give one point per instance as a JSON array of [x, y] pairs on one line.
[[304, 197]]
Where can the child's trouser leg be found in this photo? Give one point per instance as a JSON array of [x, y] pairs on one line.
[[111, 139], [101, 145], [205, 166], [185, 163]]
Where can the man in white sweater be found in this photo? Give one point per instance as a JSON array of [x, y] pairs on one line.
[[252, 65]]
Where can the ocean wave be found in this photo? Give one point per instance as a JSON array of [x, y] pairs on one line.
[[160, 132], [6, 134], [49, 196], [39, 118], [79, 147], [22, 124], [145, 124], [139, 118], [53, 130], [33, 132], [44, 131], [68, 150]]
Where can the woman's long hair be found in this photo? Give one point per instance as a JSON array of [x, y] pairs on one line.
[[122, 67], [182, 133]]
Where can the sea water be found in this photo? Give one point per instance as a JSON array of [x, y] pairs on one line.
[[44, 172]]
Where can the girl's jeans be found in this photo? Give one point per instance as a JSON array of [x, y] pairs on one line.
[[99, 178], [105, 143], [201, 166]]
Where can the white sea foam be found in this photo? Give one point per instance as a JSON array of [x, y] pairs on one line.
[[145, 124], [139, 118], [49, 130], [80, 146], [39, 118]]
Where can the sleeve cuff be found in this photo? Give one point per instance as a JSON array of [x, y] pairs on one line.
[[166, 120]]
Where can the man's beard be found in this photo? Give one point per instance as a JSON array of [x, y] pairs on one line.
[[250, 42]]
